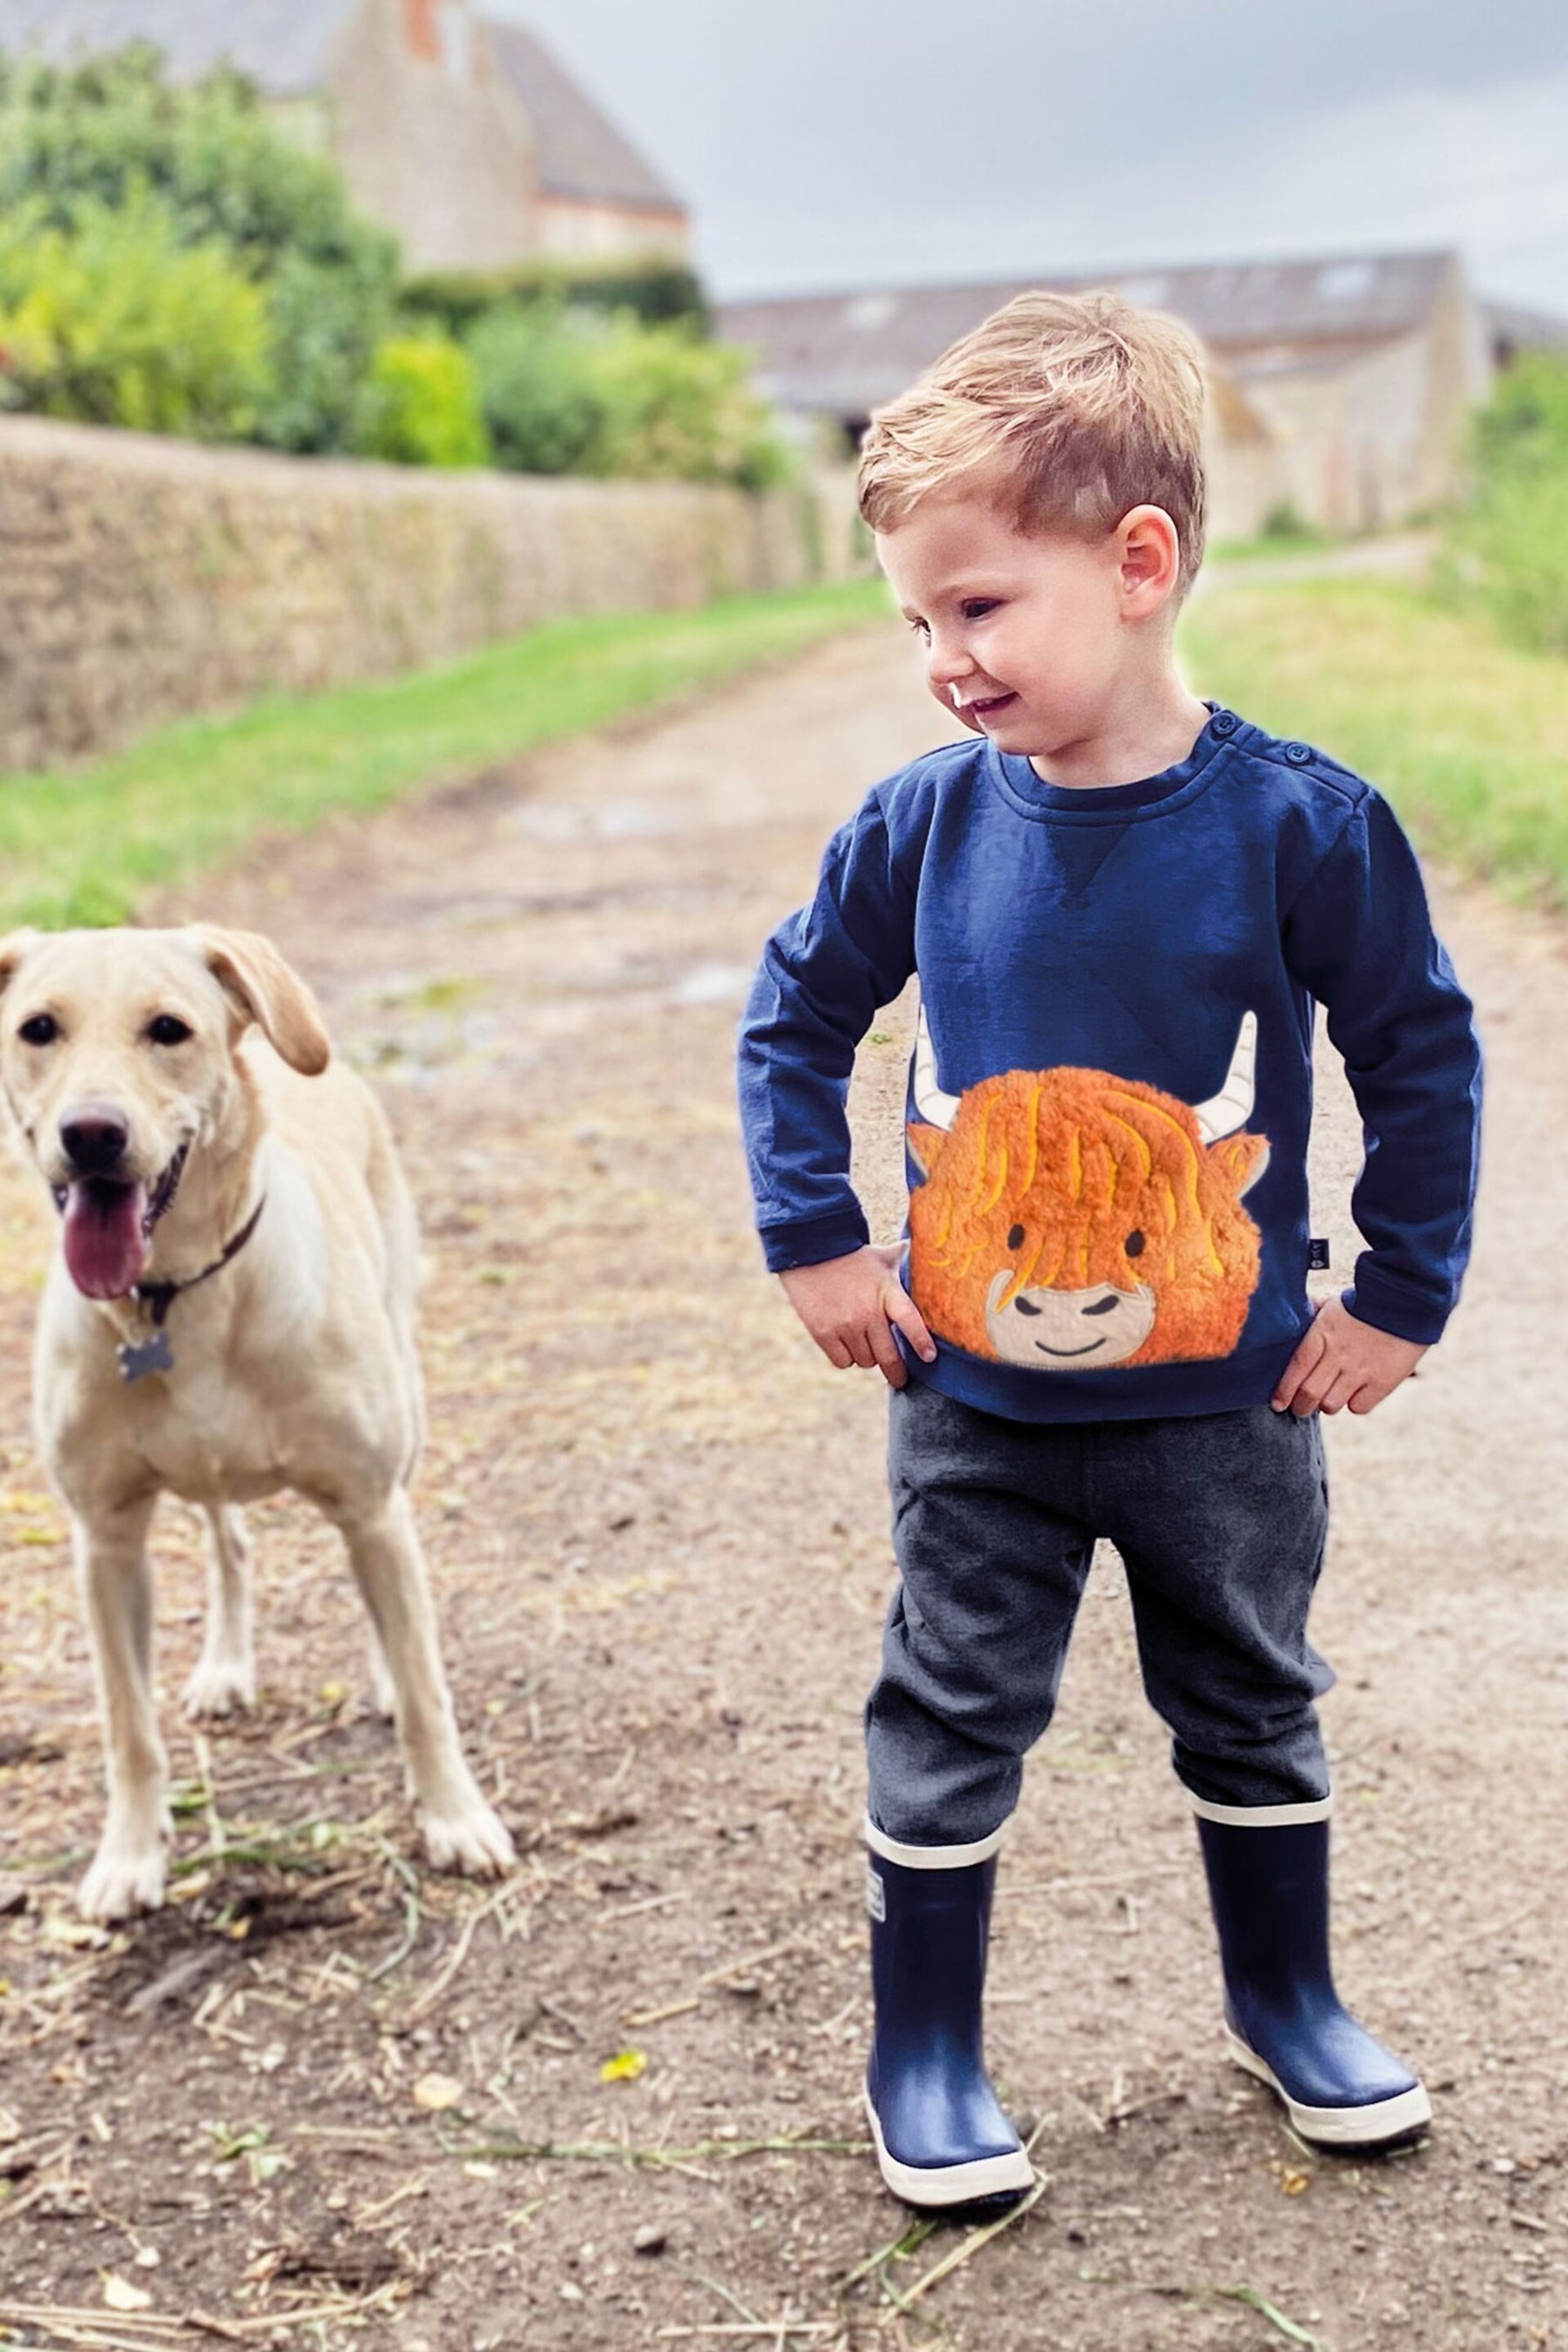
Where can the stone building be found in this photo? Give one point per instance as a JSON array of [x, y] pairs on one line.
[[460, 132], [1341, 385]]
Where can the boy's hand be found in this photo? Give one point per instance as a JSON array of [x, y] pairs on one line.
[[848, 1305], [1344, 1361]]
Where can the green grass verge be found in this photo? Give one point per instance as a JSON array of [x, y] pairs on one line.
[[80, 846], [1467, 737], [1273, 544]]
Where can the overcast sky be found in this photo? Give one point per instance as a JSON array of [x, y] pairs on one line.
[[839, 143]]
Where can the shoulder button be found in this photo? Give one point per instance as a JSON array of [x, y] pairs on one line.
[[1224, 722], [1298, 754]]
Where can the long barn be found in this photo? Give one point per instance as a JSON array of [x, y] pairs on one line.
[[1342, 383]]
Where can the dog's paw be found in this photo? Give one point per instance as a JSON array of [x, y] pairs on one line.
[[475, 1841], [220, 1686], [124, 1878]]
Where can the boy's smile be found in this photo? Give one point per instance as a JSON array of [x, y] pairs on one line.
[[1053, 644], [981, 707]]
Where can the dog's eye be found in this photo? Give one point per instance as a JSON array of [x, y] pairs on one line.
[[41, 1030], [1015, 1237], [164, 1030], [1133, 1244]]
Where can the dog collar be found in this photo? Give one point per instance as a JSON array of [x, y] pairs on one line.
[[137, 1358]]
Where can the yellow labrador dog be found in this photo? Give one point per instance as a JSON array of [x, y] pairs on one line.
[[230, 1312]]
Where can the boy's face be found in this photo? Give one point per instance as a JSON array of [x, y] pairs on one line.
[[1026, 636]]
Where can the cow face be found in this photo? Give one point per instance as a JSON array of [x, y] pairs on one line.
[[1071, 1220]]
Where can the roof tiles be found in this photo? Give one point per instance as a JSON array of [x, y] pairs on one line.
[[847, 351], [282, 46], [580, 150]]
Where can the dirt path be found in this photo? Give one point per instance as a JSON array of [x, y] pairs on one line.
[[658, 1528]]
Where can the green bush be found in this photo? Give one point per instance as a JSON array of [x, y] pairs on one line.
[[568, 392], [563, 392], [107, 316], [1286, 526], [678, 408], [1508, 545], [654, 292], [420, 405], [229, 176], [538, 389]]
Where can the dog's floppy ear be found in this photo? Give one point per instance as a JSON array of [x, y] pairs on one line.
[[269, 991], [13, 948]]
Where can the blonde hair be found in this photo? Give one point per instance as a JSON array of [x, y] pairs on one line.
[[1067, 410]]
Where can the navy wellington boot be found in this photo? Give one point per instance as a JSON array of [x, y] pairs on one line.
[[942, 2137], [1284, 2022]]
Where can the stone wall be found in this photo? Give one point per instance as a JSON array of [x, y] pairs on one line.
[[141, 578]]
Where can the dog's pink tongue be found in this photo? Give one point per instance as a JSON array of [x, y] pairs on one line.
[[105, 1250]]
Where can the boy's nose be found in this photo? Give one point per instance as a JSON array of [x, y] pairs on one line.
[[946, 664]]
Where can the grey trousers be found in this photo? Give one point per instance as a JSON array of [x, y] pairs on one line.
[[1221, 1520]]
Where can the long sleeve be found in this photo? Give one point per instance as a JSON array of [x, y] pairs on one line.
[[823, 976], [1360, 938]]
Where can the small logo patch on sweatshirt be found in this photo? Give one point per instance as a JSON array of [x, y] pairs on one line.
[[1318, 1254], [876, 1894]]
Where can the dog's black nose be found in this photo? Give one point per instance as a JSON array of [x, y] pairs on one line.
[[95, 1135]]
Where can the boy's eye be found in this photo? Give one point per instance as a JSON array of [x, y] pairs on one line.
[[921, 629], [976, 608]]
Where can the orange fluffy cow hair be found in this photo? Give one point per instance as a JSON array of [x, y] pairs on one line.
[[1050, 1172]]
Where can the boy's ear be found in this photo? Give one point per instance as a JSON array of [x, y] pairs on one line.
[[1151, 559]]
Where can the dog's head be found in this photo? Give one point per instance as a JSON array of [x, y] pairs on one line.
[[118, 1058]]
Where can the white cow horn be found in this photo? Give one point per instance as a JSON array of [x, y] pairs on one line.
[[1231, 1107], [935, 1108]]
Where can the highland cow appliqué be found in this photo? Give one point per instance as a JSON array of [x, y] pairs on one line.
[[1070, 1219]]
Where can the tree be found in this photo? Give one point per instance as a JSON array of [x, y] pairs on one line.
[[226, 176]]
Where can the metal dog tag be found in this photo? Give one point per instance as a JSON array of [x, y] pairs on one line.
[[154, 1355]]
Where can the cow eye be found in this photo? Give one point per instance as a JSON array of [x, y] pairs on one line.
[[41, 1030], [1135, 1244], [1015, 1237], [164, 1029]]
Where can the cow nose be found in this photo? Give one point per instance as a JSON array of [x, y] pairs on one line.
[[94, 1136]]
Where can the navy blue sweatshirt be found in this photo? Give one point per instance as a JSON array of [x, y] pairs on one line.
[[1110, 1096]]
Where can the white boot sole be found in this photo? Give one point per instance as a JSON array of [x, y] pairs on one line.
[[952, 2184], [1369, 2126]]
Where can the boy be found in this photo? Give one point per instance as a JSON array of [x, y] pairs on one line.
[[1122, 903]]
